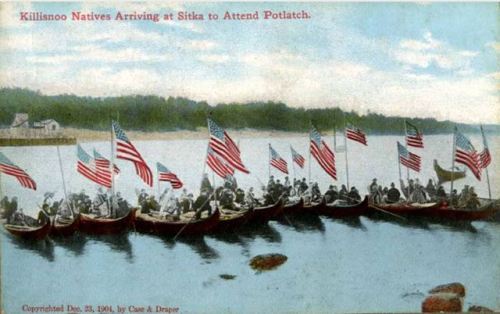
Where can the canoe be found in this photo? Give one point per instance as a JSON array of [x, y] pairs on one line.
[[351, 210], [314, 207], [30, 233], [266, 213], [65, 228], [151, 224], [447, 175], [410, 209], [294, 207], [486, 211], [230, 220], [100, 225]]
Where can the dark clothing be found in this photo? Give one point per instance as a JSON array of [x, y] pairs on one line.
[[206, 186], [331, 196], [42, 218], [202, 204], [393, 195], [354, 197]]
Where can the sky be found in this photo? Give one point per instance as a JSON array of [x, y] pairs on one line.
[[436, 60]]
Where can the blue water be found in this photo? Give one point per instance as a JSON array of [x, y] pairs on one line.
[[363, 265]]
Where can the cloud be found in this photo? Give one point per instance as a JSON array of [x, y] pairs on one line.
[[429, 51], [213, 58], [9, 14]]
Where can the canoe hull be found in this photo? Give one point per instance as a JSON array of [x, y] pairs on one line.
[[65, 230], [34, 234], [314, 208], [163, 227], [405, 209], [92, 225], [226, 225], [266, 213], [354, 210], [293, 208]]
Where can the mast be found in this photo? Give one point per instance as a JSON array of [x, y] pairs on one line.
[[269, 163], [346, 162], [453, 160], [334, 132], [485, 146], [407, 169], [293, 165], [112, 162], [64, 182]]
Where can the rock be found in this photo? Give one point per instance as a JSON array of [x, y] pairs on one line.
[[480, 309], [267, 261], [227, 276], [454, 287], [442, 302]]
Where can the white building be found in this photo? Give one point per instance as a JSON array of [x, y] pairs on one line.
[[21, 120], [49, 125]]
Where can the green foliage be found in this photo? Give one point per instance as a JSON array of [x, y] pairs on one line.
[[153, 113]]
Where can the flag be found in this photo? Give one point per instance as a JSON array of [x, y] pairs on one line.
[[297, 158], [99, 159], [355, 134], [414, 138], [86, 165], [277, 162], [224, 146], [166, 175], [466, 154], [323, 155], [103, 173], [408, 159], [484, 156], [126, 150], [217, 165], [8, 167]]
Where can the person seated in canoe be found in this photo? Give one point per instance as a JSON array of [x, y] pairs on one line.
[[418, 195], [43, 217], [453, 200], [278, 190], [268, 197], [393, 195], [149, 204], [64, 211], [331, 195], [250, 200], [431, 190], [205, 184], [227, 198], [186, 203], [10, 208], [343, 193], [441, 194], [376, 192], [239, 196], [202, 203], [141, 198], [473, 201], [464, 196], [303, 187], [231, 181], [315, 192], [122, 207], [354, 196]]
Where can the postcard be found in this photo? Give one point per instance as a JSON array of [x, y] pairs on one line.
[[249, 157]]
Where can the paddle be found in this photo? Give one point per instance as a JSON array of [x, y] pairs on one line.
[[380, 209], [190, 220]]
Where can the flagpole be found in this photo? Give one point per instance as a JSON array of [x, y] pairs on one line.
[[399, 166], [487, 174], [293, 164], [269, 163], [453, 160], [64, 182], [346, 162], [407, 169], [112, 162], [158, 183], [334, 132], [309, 161]]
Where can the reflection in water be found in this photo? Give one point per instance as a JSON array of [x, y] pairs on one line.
[[44, 248], [117, 242], [200, 247], [74, 243], [263, 230], [303, 223], [407, 222], [353, 222]]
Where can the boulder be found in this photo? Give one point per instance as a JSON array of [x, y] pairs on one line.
[[455, 287], [480, 309], [442, 302], [267, 261]]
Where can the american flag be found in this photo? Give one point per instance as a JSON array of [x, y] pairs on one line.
[[277, 162], [466, 154], [101, 159], [414, 138], [485, 156], [166, 175], [86, 165], [126, 150], [322, 153], [102, 170], [297, 158], [217, 165], [408, 159], [225, 147], [355, 134], [8, 167]]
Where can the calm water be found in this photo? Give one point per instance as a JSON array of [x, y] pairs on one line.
[[333, 265]]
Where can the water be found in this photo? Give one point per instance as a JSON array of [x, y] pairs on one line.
[[333, 265]]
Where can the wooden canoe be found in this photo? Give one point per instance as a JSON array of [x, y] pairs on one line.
[[294, 207], [30, 233], [65, 228], [486, 211], [447, 175], [150, 224], [231, 220], [351, 210], [266, 213], [410, 209], [314, 207], [101, 225]]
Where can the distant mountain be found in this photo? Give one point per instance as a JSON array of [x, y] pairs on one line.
[[154, 113]]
